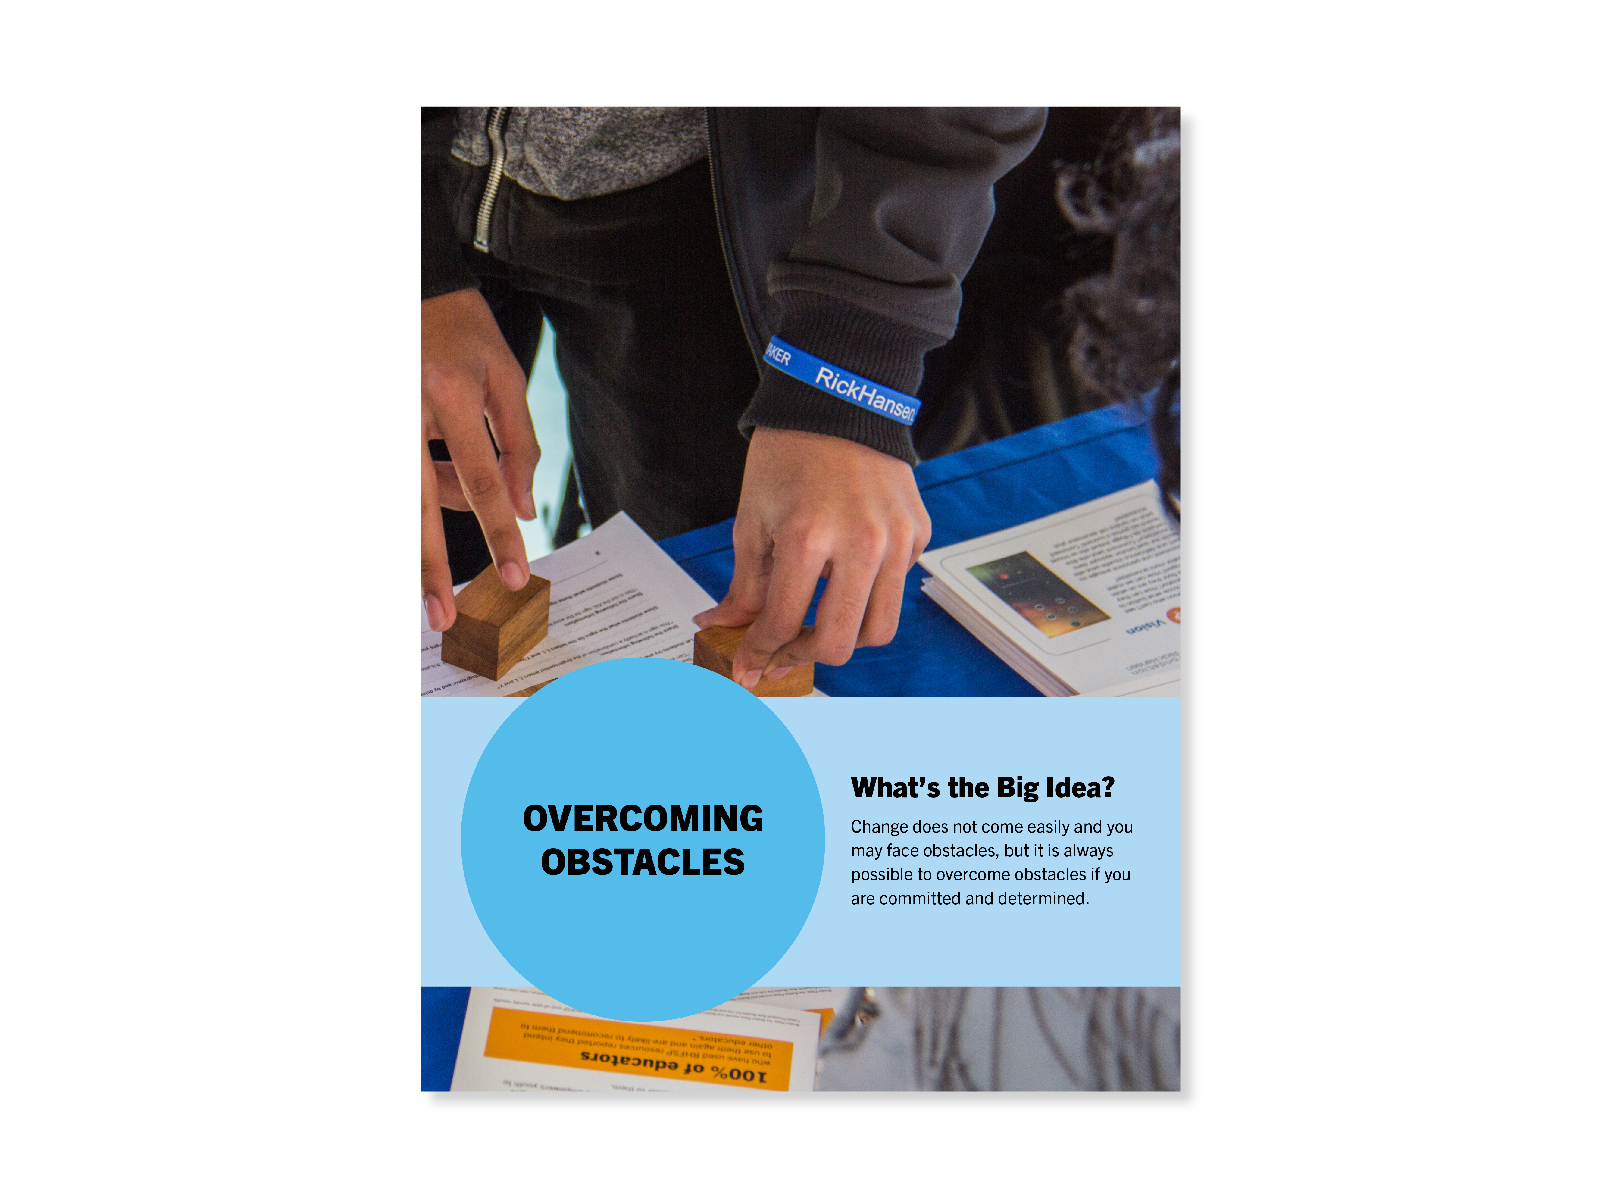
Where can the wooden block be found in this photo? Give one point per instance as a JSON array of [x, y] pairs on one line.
[[496, 628], [715, 648]]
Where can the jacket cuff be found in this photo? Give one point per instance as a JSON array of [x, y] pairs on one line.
[[443, 268], [864, 343]]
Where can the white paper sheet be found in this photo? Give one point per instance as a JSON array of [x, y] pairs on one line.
[[825, 1001], [1082, 602], [520, 1039], [613, 594]]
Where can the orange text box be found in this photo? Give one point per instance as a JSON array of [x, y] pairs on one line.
[[585, 1044]]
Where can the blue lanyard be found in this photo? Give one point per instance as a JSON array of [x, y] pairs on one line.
[[825, 376]]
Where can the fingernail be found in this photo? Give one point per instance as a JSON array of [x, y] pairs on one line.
[[779, 672], [750, 679], [528, 503], [436, 613], [700, 619], [512, 575]]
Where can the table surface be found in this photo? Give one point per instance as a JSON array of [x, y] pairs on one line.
[[967, 494]]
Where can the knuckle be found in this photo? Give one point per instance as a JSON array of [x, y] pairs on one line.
[[834, 655], [766, 646], [903, 531], [832, 646], [871, 541], [481, 482], [446, 385], [755, 647], [815, 542], [747, 533], [766, 637], [804, 537], [878, 630]]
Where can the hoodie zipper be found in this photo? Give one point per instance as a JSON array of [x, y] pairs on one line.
[[486, 206]]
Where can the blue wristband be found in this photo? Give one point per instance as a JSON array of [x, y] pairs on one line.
[[825, 376]]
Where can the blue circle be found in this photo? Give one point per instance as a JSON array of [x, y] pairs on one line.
[[663, 745]]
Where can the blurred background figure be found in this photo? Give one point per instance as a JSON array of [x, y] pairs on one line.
[[1005, 1039], [1073, 300]]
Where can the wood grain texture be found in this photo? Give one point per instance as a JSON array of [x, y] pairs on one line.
[[715, 649], [495, 628]]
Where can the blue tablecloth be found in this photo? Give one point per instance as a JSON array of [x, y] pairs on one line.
[[444, 1009], [967, 494], [989, 487]]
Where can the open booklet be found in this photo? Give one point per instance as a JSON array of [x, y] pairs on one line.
[[613, 594], [520, 1039], [1084, 602]]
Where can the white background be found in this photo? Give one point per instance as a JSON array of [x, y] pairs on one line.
[[209, 864]]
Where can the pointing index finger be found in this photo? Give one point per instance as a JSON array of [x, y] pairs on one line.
[[789, 594], [485, 487]]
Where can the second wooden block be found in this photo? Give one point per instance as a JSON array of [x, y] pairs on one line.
[[495, 628], [715, 649]]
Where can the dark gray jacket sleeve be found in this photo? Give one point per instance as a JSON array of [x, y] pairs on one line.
[[902, 201]]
